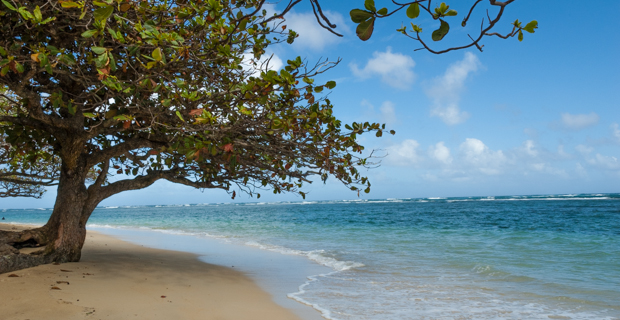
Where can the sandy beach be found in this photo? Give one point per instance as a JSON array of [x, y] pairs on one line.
[[120, 280]]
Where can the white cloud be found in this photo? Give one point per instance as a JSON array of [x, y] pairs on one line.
[[395, 69], [616, 132], [387, 112], [404, 154], [445, 91], [529, 148], [531, 132], [266, 62], [388, 115], [441, 153], [583, 149], [580, 170], [473, 160], [311, 35], [579, 121], [478, 156], [605, 162], [563, 154]]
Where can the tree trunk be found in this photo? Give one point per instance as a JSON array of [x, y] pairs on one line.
[[62, 238]]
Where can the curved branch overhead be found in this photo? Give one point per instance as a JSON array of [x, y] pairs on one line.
[[367, 17]]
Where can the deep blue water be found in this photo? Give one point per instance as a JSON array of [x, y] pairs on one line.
[[521, 257]]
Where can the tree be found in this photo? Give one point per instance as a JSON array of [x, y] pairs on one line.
[[173, 90]]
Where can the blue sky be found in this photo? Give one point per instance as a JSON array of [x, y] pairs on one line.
[[540, 116]]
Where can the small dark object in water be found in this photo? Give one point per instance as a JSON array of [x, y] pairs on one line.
[[2, 218]]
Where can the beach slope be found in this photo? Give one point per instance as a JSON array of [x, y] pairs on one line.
[[119, 280]]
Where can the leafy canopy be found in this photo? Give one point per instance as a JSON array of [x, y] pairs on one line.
[[177, 90]]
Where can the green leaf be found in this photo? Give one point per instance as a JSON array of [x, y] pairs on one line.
[[89, 33], [416, 28], [48, 68], [100, 4], [72, 108], [53, 50], [383, 11], [8, 5], [441, 32], [104, 13], [413, 11], [442, 8], [98, 50], [520, 37], [43, 59], [157, 54], [70, 4], [364, 30], [19, 67], [67, 59], [4, 70], [112, 61], [48, 20], [89, 115], [25, 13], [330, 84], [37, 14], [3, 52], [243, 24], [370, 5], [531, 26], [359, 16], [180, 116], [122, 117], [451, 13], [102, 60]]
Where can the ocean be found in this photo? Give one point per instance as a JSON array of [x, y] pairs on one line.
[[510, 257]]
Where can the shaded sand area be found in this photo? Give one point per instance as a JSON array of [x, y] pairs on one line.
[[120, 280]]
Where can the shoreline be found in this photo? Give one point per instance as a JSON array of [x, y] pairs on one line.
[[116, 279]]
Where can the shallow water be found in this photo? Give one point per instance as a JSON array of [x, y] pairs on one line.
[[522, 257]]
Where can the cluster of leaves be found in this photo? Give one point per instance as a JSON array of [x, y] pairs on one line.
[[170, 90], [365, 18], [529, 27], [22, 173]]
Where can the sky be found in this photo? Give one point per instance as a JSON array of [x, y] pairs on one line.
[[541, 116]]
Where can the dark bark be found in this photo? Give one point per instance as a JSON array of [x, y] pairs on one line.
[[62, 237]]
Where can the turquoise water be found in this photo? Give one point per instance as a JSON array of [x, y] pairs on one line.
[[520, 257]]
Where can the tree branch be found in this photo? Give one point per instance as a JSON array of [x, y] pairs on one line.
[[120, 149]]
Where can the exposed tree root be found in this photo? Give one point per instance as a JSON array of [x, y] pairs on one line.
[[10, 243]]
